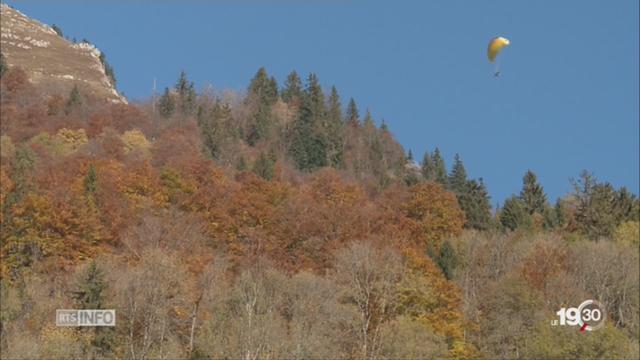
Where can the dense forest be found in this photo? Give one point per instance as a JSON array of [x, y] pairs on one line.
[[283, 222]]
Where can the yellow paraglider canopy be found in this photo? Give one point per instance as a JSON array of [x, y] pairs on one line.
[[495, 45]]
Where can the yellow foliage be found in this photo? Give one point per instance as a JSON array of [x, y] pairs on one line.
[[135, 140], [174, 183], [63, 342], [6, 185], [33, 232], [433, 213], [63, 143], [628, 233], [71, 140], [426, 295], [7, 149]]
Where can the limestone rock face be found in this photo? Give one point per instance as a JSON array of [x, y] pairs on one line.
[[50, 61]]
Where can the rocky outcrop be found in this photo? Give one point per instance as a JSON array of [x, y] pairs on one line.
[[50, 61]]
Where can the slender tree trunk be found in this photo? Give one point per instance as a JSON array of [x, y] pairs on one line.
[[193, 323]]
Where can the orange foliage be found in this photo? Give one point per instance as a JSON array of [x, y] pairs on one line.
[[433, 213], [15, 80], [320, 217], [6, 186], [177, 148], [545, 261], [40, 228], [427, 296], [55, 105]]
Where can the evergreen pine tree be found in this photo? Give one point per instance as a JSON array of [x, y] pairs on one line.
[[532, 194], [91, 287], [264, 166], [242, 164], [263, 89], [273, 90], [440, 169], [213, 125], [186, 95], [596, 213], [309, 142], [23, 165], [262, 94], [314, 104], [166, 104], [514, 214], [367, 122], [334, 130], [90, 295], [292, 92], [626, 205], [476, 205], [383, 126], [91, 181], [458, 177], [559, 213], [410, 156], [74, 101], [353, 118], [108, 70], [428, 169], [3, 65], [444, 257], [57, 29]]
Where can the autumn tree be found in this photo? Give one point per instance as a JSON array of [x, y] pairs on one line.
[[368, 278], [424, 295], [153, 300], [433, 214], [33, 233], [246, 321]]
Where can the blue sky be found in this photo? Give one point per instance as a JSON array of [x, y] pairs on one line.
[[567, 98]]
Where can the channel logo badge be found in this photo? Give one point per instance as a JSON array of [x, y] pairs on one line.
[[65, 317]]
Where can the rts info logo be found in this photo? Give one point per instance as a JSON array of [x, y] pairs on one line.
[[589, 316]]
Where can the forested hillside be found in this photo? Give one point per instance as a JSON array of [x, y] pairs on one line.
[[283, 222]]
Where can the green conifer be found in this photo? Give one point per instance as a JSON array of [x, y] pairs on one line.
[[440, 169], [167, 104], [532, 194], [458, 177]]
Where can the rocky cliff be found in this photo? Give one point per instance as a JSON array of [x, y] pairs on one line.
[[52, 62]]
